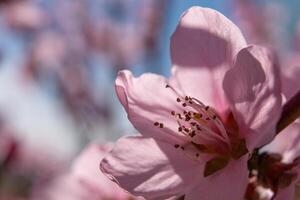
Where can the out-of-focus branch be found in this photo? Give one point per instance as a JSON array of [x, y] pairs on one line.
[[290, 112]]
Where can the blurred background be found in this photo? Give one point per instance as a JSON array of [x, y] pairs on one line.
[[59, 60]]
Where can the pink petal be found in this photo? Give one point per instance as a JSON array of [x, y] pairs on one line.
[[147, 100], [286, 193], [287, 143], [290, 74], [86, 169], [64, 187], [203, 48], [252, 88], [230, 183], [151, 168]]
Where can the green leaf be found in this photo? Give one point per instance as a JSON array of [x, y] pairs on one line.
[[239, 148], [214, 165]]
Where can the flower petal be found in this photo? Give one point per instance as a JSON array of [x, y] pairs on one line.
[[230, 183], [286, 193], [287, 143], [151, 168], [252, 88], [86, 169], [147, 100], [205, 38], [203, 48]]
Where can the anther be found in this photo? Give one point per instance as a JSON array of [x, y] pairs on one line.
[[167, 86], [197, 154], [173, 113], [206, 108], [156, 123], [161, 125], [207, 118], [184, 104], [187, 118], [214, 117], [176, 146], [186, 98], [178, 100], [198, 128], [193, 123], [182, 147], [192, 134], [179, 129]]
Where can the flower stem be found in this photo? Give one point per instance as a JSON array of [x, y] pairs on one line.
[[290, 112]]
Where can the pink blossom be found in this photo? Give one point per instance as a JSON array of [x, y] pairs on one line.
[[84, 181], [286, 147], [25, 15], [222, 101]]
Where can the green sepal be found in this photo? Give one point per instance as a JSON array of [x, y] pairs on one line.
[[214, 165], [239, 148]]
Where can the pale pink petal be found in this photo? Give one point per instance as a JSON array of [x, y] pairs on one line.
[[151, 168], [203, 48], [64, 187], [230, 183], [252, 88], [86, 169], [287, 143], [286, 193], [147, 100], [290, 74]]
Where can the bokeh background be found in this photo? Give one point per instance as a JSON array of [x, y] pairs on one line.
[[59, 60]]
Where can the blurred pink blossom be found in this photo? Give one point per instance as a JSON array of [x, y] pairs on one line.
[[187, 147], [84, 181], [25, 16], [279, 168]]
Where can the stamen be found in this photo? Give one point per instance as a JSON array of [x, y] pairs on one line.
[[161, 125]]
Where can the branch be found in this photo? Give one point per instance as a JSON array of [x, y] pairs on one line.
[[290, 112]]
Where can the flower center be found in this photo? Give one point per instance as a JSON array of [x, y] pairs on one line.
[[203, 129]]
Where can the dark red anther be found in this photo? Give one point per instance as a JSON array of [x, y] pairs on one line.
[[192, 134], [199, 128], [186, 130], [193, 123]]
